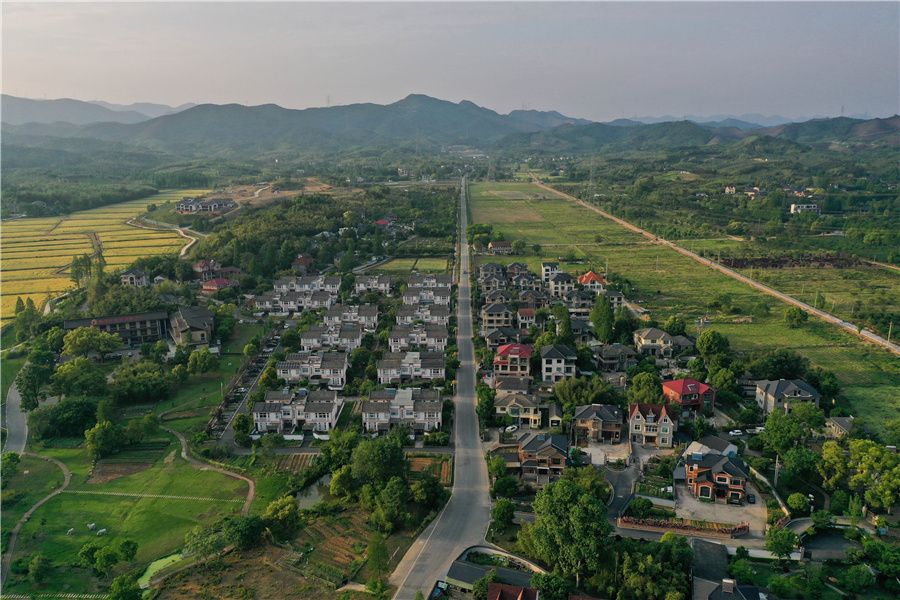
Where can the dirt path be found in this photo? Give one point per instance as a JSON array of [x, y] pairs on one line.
[[866, 335], [201, 466], [169, 496], [7, 558]]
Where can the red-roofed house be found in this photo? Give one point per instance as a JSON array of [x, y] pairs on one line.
[[651, 424], [205, 270], [500, 248], [503, 591], [217, 284], [690, 393], [304, 264], [381, 223], [513, 360], [592, 281]]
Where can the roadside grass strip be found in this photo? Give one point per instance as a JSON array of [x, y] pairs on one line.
[[52, 595], [162, 496]]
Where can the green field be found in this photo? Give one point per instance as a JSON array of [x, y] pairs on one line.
[[403, 267], [158, 525], [666, 282], [37, 252]]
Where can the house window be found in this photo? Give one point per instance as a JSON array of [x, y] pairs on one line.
[[637, 426], [665, 430], [721, 480], [705, 492], [664, 441]]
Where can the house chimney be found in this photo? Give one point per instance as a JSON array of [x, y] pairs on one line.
[[728, 586]]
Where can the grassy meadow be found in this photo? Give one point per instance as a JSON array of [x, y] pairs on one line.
[[403, 267], [666, 283], [37, 252]]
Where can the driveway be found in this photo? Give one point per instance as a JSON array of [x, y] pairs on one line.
[[689, 507], [602, 454]]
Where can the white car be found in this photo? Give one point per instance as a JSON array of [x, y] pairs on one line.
[[512, 428], [735, 432]]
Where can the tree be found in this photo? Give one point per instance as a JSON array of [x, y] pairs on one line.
[[104, 439], [269, 379], [518, 247], [38, 568], [551, 586], [243, 424], [832, 466], [251, 350], [140, 382], [503, 513], [858, 578], [390, 512], [712, 342], [795, 317], [778, 364], [105, 411], [202, 361], [379, 460], [83, 340], [79, 377], [378, 555], [602, 319], [675, 325], [9, 465], [127, 549], [282, 516], [244, 532], [781, 541], [20, 306], [427, 491], [179, 374], [480, 587], [800, 461], [822, 520], [571, 530], [645, 388], [125, 588], [497, 466], [105, 559], [798, 503]]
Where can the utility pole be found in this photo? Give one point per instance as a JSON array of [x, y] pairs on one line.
[[890, 329], [776, 470]]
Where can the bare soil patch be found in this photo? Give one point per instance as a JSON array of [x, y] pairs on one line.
[[104, 472], [424, 463], [784, 262]]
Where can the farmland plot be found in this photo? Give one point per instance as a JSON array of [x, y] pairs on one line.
[[37, 252]]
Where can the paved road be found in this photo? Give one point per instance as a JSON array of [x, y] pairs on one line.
[[16, 423], [464, 520], [866, 335]]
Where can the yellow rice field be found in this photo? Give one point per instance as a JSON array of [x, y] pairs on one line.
[[35, 253]]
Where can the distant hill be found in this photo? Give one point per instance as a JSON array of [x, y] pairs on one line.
[[237, 129], [18, 111], [546, 119], [603, 136], [840, 129], [149, 109], [736, 123]]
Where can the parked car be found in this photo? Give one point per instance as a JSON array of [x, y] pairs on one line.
[[512, 428], [735, 432], [751, 498]]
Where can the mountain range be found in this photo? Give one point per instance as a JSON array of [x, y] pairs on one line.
[[427, 123]]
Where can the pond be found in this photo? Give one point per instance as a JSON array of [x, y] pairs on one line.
[[315, 492], [157, 566]]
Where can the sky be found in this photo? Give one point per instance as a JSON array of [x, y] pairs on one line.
[[593, 60]]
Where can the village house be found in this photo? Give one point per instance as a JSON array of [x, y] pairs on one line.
[[497, 248], [592, 282], [205, 270], [427, 313], [403, 367], [523, 408], [192, 326], [525, 318], [300, 411], [418, 409], [217, 284], [581, 329], [536, 299], [513, 360], [365, 315], [549, 269], [329, 368], [598, 422], [715, 476], [615, 357], [380, 284], [560, 284], [579, 302], [498, 296], [512, 385], [539, 458], [652, 424], [502, 336], [652, 341], [690, 394], [304, 264], [525, 281], [839, 427], [711, 444], [616, 299], [558, 363], [782, 393], [488, 269], [419, 295], [345, 336], [494, 316], [422, 336], [515, 269], [133, 328], [135, 278], [491, 283]]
